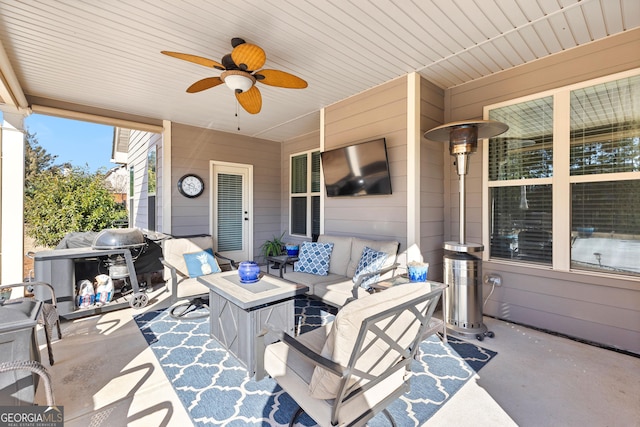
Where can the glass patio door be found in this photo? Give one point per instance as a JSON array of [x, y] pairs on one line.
[[232, 211]]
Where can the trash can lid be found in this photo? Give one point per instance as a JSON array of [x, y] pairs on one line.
[[19, 315]]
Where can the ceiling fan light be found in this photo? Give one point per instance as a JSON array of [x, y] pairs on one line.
[[237, 82]]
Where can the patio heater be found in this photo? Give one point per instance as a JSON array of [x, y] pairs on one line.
[[462, 269]]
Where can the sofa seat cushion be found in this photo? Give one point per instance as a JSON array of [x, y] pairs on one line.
[[189, 287], [293, 372], [311, 280], [358, 245], [337, 294]]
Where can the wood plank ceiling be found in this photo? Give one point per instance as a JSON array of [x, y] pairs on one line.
[[106, 54]]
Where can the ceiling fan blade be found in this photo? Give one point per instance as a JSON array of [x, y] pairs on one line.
[[248, 57], [250, 100], [280, 79], [195, 59], [204, 84]]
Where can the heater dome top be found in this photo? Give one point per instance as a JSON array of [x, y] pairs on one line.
[[486, 129]]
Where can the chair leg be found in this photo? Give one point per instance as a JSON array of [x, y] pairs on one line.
[[181, 311], [389, 417], [59, 330], [295, 416], [47, 336]]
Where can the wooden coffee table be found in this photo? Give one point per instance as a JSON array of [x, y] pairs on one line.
[[238, 311]]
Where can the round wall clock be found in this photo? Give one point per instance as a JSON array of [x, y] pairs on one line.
[[190, 185]]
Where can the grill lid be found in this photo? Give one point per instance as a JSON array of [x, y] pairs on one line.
[[117, 238]]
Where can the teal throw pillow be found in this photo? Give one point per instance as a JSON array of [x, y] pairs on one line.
[[201, 263], [314, 258], [370, 261]]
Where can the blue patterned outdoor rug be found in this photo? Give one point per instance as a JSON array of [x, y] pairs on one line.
[[217, 391]]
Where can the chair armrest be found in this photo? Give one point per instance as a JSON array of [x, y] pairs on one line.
[[232, 264], [29, 286], [34, 367], [315, 358], [172, 269], [174, 280], [363, 277]]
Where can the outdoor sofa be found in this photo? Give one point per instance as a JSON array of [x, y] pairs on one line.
[[336, 284]]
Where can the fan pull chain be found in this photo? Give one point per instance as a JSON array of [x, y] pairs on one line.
[[237, 114]]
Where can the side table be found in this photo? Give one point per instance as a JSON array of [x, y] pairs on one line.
[[280, 262]]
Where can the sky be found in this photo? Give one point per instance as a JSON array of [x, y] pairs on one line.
[[79, 143]]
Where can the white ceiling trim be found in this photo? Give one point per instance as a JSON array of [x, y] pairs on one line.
[[102, 120]]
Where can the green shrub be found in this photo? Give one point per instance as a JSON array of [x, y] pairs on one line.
[[58, 203]]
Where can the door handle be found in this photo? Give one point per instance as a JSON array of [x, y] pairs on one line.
[[246, 219]]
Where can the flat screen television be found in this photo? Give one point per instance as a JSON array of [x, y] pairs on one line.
[[357, 170]]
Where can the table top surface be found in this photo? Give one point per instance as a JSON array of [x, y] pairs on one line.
[[19, 314], [70, 253], [402, 279], [269, 289], [282, 258]]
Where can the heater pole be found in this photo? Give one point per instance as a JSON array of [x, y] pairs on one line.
[[463, 203]]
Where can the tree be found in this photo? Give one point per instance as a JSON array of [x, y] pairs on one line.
[[66, 201], [37, 160]]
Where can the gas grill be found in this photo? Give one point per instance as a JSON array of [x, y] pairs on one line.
[[115, 249], [119, 238]]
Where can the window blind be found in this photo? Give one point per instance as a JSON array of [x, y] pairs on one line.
[[229, 212]]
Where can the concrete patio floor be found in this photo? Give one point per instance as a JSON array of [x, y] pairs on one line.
[[106, 375]]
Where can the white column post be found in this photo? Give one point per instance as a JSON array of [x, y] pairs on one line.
[[166, 177], [414, 139], [12, 199]]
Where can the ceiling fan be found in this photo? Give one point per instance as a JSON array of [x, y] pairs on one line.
[[240, 72]]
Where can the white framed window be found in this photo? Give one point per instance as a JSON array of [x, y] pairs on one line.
[[562, 185], [304, 194]]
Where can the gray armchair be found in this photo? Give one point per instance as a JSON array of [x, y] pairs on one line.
[[191, 293], [351, 369], [49, 316]]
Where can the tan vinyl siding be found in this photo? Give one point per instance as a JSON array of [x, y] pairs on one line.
[[431, 179], [192, 151], [157, 141], [593, 307], [139, 144], [379, 112]]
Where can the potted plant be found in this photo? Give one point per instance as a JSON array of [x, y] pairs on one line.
[[418, 271], [273, 247], [292, 249]]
